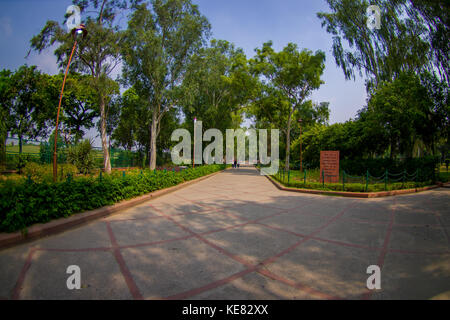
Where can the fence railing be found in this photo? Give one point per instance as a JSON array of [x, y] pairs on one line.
[[119, 158], [291, 177]]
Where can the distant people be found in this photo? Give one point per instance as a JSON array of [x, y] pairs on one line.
[[238, 164], [235, 164]]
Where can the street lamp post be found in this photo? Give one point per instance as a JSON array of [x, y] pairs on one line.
[[79, 31], [301, 146]]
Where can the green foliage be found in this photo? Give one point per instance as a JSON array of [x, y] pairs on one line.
[[25, 203], [287, 79], [82, 156], [400, 45], [157, 46], [21, 161], [26, 103], [216, 84], [79, 104], [377, 167], [97, 56], [39, 173], [401, 109]]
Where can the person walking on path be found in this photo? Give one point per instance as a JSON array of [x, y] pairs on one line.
[[235, 164]]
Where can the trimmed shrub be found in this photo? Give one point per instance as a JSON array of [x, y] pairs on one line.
[[25, 203]]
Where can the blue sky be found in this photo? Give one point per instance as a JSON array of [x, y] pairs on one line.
[[246, 23]]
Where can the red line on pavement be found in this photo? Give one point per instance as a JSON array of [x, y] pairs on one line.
[[251, 267], [419, 252], [18, 287], [134, 290], [210, 286], [74, 250], [439, 220], [345, 244], [139, 245], [300, 286]]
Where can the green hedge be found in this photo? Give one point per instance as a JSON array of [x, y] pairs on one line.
[[354, 187], [27, 203]]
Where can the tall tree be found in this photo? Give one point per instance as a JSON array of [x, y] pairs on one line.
[[5, 100], [98, 55], [158, 44], [80, 104], [27, 104], [216, 85], [435, 14], [288, 78], [400, 44], [403, 109], [125, 134]]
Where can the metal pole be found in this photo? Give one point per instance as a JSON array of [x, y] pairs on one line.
[[55, 163]]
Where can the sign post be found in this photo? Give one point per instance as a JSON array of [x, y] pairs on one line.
[[329, 165]]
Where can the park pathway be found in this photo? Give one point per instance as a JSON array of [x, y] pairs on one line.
[[235, 236]]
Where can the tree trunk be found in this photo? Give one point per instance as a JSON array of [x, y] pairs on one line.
[[153, 136], [105, 145], [20, 144]]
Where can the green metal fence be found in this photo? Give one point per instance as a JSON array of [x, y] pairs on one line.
[[119, 158], [298, 178]]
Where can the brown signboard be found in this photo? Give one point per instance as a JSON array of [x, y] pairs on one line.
[[329, 166]]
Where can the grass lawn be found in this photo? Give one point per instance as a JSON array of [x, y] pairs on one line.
[[26, 148]]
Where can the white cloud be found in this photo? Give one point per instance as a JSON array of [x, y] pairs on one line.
[[46, 61], [5, 26]]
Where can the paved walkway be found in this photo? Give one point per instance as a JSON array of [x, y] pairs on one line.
[[235, 236]]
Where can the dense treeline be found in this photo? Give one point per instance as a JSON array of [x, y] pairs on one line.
[[173, 71]]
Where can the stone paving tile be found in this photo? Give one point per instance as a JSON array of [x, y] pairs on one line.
[[171, 268], [417, 238], [129, 233], [370, 211], [254, 286], [415, 277], [179, 208], [445, 218], [11, 262], [410, 217], [252, 211], [285, 202], [220, 203], [318, 208], [297, 222], [364, 234], [200, 223], [335, 270], [100, 277], [253, 243], [157, 264], [93, 235], [142, 211]]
